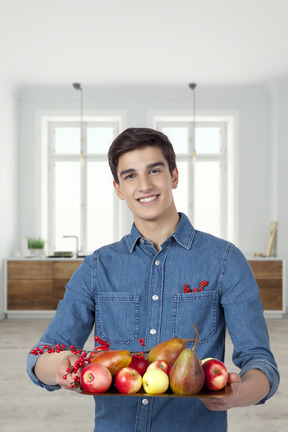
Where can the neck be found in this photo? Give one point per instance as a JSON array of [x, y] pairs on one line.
[[157, 231]]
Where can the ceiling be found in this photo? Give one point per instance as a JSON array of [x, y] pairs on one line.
[[151, 42]]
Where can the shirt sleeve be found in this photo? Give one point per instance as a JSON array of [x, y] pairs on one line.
[[74, 318], [245, 320]]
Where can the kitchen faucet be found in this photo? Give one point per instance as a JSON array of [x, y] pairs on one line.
[[77, 242]]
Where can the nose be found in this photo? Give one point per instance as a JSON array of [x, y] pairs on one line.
[[144, 183]]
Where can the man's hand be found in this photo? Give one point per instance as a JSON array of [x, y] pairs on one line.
[[50, 369], [65, 363], [248, 390]]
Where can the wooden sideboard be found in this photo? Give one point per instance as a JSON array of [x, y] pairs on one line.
[[37, 285], [269, 275]]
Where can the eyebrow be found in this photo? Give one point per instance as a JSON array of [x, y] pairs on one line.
[[149, 166]]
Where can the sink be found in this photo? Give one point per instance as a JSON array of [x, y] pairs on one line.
[[60, 256], [68, 255]]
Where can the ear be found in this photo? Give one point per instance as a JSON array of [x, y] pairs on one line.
[[118, 190], [175, 178]]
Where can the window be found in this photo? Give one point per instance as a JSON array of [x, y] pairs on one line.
[[81, 199], [202, 192]]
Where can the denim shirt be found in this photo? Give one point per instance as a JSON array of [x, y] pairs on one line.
[[129, 290]]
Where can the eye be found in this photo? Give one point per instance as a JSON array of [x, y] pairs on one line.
[[155, 171], [129, 176]]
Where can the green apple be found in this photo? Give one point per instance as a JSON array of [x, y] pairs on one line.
[[155, 381]]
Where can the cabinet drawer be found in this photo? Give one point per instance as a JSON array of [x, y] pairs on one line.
[[64, 270], [266, 269], [29, 270], [270, 291], [29, 295], [37, 285]]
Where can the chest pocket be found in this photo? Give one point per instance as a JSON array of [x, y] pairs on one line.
[[117, 316], [195, 308]]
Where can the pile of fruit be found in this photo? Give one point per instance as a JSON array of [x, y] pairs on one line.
[[168, 365]]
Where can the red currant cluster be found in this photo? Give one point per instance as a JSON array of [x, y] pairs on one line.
[[139, 356], [48, 349], [142, 343], [104, 345], [79, 364], [201, 288], [187, 289]]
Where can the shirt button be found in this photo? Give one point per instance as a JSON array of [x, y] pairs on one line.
[[157, 262], [145, 401], [142, 241], [152, 331], [155, 297]]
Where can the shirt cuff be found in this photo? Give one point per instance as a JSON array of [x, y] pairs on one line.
[[31, 362], [269, 370]]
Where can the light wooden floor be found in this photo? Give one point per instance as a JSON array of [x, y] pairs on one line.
[[27, 408]]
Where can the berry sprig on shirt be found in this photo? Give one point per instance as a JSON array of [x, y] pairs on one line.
[[187, 289]]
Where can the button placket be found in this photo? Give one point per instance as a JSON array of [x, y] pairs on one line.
[[155, 304]]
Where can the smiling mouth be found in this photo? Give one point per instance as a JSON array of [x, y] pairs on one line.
[[147, 199]]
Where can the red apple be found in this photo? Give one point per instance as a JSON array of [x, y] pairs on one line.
[[95, 378], [128, 380], [139, 363], [216, 375], [160, 364]]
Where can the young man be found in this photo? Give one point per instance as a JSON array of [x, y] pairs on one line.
[[135, 288]]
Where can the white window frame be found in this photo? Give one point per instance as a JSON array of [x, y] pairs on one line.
[[230, 196], [43, 188]]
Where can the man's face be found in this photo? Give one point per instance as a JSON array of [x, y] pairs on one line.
[[145, 183]]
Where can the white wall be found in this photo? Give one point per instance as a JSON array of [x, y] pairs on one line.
[[252, 105], [8, 183], [280, 172], [261, 129]]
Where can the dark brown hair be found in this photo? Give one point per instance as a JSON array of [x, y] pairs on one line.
[[135, 138]]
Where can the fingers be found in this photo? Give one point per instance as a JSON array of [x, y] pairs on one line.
[[225, 403], [64, 377], [216, 404], [233, 378]]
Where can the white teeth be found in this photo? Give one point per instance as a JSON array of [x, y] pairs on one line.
[[148, 199]]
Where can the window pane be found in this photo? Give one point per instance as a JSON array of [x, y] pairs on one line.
[[100, 195], [67, 204], [99, 139], [178, 137], [67, 140], [207, 197], [207, 140], [181, 193]]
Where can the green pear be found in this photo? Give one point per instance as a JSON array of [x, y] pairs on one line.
[[186, 375]]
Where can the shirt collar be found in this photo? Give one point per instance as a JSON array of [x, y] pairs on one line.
[[184, 234]]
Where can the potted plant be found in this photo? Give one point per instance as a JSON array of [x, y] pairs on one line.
[[36, 246]]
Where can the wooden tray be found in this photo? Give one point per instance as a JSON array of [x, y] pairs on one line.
[[203, 394]]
